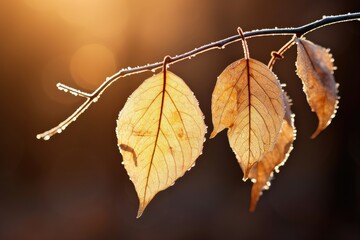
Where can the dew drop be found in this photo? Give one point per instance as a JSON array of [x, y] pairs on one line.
[[153, 70], [122, 163], [47, 137], [59, 130]]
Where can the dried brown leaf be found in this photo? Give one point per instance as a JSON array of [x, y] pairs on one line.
[[262, 172], [248, 100], [160, 134], [315, 68]]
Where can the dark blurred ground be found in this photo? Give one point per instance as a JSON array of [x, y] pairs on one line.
[[73, 187]]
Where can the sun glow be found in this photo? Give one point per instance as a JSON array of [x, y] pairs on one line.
[[97, 27]]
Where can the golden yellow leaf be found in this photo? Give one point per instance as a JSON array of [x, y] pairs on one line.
[[315, 68], [248, 100], [262, 172], [160, 134]]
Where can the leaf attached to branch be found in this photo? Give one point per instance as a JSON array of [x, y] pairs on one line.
[[160, 134], [262, 172], [248, 100], [315, 68]]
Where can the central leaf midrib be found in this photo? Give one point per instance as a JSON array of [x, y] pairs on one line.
[[157, 133], [249, 116]]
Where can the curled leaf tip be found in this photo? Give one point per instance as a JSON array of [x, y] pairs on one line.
[[316, 133], [248, 170], [252, 207], [213, 134], [140, 211]]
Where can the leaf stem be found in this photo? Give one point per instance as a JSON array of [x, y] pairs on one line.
[[167, 60], [279, 54], [244, 44], [221, 44]]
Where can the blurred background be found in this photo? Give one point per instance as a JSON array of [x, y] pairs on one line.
[[74, 187]]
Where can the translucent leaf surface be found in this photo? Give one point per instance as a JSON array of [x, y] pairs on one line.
[[160, 134], [315, 68], [262, 172], [248, 100]]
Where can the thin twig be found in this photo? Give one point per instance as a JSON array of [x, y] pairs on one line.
[[280, 53], [221, 44], [73, 91]]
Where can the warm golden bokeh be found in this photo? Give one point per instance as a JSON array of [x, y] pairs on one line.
[[98, 25], [90, 63], [55, 71], [41, 5], [102, 18]]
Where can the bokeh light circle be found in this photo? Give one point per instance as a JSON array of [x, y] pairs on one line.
[[91, 64]]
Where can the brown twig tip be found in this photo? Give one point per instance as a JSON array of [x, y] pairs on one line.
[[241, 32], [73, 91], [244, 43]]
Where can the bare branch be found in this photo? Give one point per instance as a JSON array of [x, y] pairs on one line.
[[221, 44], [61, 127]]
